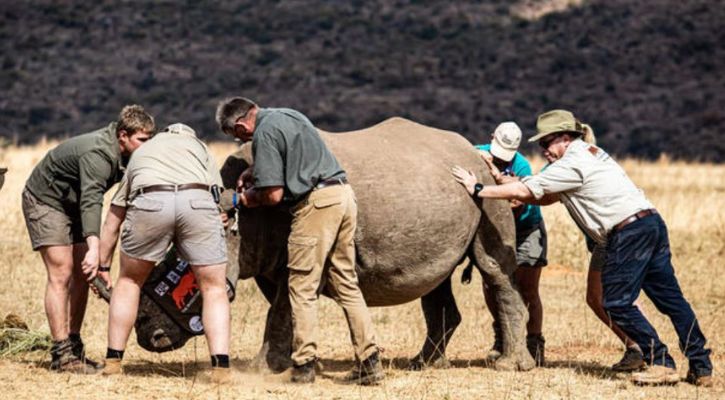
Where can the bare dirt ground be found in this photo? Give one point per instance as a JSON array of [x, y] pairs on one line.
[[579, 348]]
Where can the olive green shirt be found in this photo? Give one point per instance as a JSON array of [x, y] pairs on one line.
[[174, 156], [73, 177], [288, 151]]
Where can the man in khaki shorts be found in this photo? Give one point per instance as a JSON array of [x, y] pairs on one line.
[[292, 162], [165, 198], [62, 203]]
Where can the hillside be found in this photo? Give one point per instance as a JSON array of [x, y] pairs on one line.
[[646, 74]]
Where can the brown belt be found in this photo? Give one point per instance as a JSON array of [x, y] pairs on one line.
[[172, 188], [634, 217], [330, 182]]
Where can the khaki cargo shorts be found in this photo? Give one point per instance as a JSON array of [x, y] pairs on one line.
[[48, 226], [188, 218], [531, 247]]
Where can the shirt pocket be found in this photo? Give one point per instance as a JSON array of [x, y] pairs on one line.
[[302, 250]]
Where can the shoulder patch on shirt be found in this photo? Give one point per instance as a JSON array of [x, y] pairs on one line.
[[594, 150]]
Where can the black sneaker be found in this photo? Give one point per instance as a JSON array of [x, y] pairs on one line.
[[304, 373], [368, 372], [631, 361]]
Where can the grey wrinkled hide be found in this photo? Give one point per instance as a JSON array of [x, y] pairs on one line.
[[415, 225]]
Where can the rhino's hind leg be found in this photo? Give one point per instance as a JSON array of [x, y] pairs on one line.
[[276, 348], [493, 253], [441, 320]]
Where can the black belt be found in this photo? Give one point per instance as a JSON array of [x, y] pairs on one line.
[[171, 188], [330, 182], [634, 217]]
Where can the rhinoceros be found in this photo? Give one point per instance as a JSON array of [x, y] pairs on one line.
[[415, 226]]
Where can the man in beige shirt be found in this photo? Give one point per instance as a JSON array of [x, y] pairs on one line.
[[605, 203], [165, 198]]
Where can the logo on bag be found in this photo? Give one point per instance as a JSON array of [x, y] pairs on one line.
[[184, 291], [161, 288], [173, 277], [195, 324]]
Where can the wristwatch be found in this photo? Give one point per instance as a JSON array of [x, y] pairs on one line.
[[104, 268], [477, 189]]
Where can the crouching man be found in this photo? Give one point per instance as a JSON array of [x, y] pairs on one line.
[[62, 203], [165, 198]]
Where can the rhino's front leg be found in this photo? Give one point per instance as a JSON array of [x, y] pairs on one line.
[[494, 254], [277, 344], [441, 318]]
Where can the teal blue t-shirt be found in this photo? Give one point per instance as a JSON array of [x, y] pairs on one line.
[[520, 167]]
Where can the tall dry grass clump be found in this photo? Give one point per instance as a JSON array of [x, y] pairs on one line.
[[579, 348]]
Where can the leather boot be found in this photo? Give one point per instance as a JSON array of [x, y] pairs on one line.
[[368, 372], [63, 359]]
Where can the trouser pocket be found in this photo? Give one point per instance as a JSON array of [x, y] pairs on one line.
[[301, 251]]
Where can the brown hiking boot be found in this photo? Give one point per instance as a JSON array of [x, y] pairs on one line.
[[368, 372], [113, 367], [535, 345], [699, 380], [63, 359], [631, 361], [656, 375], [304, 373], [221, 376]]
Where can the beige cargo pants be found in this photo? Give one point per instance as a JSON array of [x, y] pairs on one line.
[[323, 229]]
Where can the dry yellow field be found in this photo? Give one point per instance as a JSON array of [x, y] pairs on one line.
[[691, 197]]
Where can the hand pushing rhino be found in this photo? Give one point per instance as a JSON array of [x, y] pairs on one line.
[[414, 226]]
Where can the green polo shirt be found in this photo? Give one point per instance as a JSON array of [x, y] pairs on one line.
[[288, 151], [73, 177]]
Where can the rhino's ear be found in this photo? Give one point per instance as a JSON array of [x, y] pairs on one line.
[[234, 165]]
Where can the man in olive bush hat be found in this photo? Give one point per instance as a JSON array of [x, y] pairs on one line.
[[607, 205]]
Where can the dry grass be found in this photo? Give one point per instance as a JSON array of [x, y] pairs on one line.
[[579, 348]]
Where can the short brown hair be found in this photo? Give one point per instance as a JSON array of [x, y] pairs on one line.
[[134, 118], [230, 110]]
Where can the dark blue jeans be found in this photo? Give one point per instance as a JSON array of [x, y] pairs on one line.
[[638, 257]]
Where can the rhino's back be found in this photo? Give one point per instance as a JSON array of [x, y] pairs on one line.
[[414, 221]]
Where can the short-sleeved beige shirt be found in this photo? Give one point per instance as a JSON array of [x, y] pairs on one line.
[[174, 156], [592, 186]]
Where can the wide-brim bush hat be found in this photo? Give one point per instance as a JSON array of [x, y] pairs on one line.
[[556, 121]]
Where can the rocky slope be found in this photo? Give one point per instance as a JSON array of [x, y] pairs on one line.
[[646, 74]]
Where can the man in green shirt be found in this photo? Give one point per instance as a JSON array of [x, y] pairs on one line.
[[62, 203], [291, 162]]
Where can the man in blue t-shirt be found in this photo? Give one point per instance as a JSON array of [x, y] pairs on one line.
[[507, 164]]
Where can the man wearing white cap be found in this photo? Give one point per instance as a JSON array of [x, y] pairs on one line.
[[614, 213], [508, 165]]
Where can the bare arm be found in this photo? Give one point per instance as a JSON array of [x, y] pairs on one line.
[[512, 190], [269, 196], [109, 238]]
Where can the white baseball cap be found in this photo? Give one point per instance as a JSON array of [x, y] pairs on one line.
[[506, 140]]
